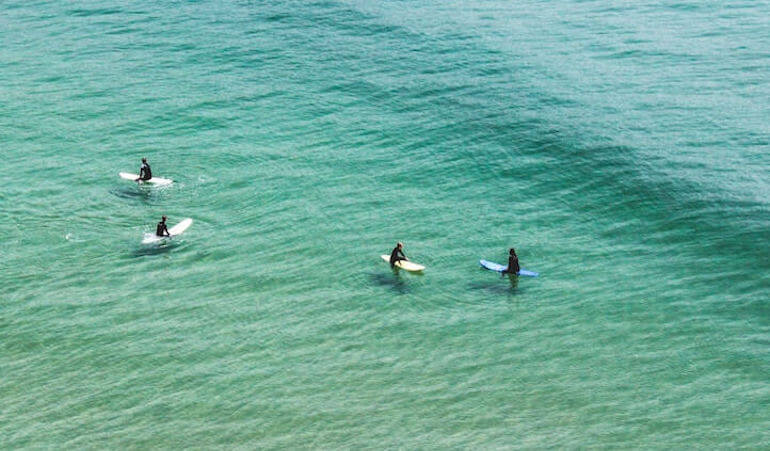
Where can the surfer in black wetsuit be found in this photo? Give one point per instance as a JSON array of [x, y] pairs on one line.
[[162, 229], [513, 263], [144, 172], [397, 254]]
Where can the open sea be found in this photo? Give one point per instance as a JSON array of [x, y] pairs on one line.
[[623, 148]]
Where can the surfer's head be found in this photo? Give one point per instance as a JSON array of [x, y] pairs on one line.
[[144, 160], [399, 245], [163, 218], [512, 251]]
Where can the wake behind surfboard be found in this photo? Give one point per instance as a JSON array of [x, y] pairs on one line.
[[492, 266]]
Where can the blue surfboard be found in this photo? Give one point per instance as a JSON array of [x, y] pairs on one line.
[[492, 266]]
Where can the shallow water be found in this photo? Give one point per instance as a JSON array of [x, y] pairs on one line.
[[622, 149]]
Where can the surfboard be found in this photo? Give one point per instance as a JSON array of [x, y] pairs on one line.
[[151, 238], [492, 266], [406, 265], [160, 181]]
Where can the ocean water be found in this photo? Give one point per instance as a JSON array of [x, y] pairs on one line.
[[623, 148]]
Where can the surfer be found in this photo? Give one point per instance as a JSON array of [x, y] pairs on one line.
[[144, 172], [162, 229], [513, 263], [397, 254]]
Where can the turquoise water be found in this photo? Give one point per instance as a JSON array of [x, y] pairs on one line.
[[621, 148]]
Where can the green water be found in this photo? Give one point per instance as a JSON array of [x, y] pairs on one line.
[[622, 149]]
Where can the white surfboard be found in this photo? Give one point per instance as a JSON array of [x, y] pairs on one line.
[[160, 181], [404, 264], [151, 238]]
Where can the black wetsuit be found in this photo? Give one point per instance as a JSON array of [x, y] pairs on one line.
[[162, 229], [513, 265], [144, 172], [396, 255]]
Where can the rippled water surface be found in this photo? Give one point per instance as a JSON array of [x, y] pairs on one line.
[[622, 148]]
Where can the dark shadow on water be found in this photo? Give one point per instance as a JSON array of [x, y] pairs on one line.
[[155, 249], [499, 284], [140, 192], [391, 279]]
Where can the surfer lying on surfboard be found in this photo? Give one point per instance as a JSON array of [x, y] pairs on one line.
[[397, 254], [513, 263], [145, 173], [162, 229]]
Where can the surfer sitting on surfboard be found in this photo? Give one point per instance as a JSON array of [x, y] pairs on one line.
[[397, 254], [144, 172], [162, 229], [513, 263]]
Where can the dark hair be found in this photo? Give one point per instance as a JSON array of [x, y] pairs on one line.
[[512, 251]]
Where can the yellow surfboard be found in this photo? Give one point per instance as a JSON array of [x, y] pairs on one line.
[[406, 265]]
